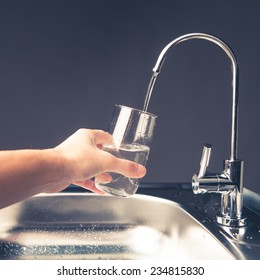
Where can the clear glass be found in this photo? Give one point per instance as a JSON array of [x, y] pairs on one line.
[[132, 132]]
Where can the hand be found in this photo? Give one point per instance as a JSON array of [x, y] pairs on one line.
[[84, 159]]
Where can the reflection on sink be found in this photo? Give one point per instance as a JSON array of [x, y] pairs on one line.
[[87, 226]]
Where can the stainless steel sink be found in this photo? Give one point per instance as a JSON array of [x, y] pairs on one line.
[[87, 226]]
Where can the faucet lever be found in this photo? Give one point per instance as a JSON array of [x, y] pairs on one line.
[[205, 158]]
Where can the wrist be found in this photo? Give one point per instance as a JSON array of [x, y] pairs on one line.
[[64, 164]]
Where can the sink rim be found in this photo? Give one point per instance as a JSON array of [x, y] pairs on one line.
[[164, 228]]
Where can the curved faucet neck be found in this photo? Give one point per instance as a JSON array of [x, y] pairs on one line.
[[230, 54]]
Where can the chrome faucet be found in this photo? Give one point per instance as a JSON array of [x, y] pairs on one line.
[[230, 182]]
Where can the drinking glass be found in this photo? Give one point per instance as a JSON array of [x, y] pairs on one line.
[[132, 132]]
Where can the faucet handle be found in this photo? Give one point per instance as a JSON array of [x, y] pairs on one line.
[[204, 162]]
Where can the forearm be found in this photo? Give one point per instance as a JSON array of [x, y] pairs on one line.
[[25, 173]]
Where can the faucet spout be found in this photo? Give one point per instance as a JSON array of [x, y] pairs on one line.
[[230, 54], [230, 182]]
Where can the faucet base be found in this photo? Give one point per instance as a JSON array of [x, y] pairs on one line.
[[232, 222]]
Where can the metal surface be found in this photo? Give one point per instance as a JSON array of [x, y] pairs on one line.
[[86, 226], [241, 242]]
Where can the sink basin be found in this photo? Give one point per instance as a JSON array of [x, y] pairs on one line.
[[87, 226]]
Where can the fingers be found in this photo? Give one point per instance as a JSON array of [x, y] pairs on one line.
[[104, 178], [89, 185], [101, 137], [125, 167], [122, 166], [130, 169]]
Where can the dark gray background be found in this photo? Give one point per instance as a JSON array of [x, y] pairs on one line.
[[64, 64]]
